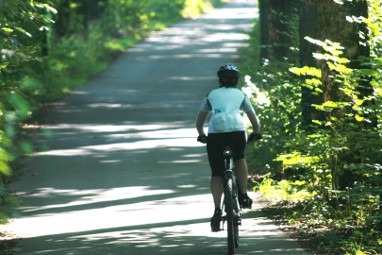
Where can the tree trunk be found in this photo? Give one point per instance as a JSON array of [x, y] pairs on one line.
[[84, 11], [333, 25], [276, 21], [264, 38], [326, 19], [63, 18], [308, 27]]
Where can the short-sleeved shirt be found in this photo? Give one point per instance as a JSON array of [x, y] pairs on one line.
[[226, 106]]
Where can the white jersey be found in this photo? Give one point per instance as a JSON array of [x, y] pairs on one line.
[[226, 107]]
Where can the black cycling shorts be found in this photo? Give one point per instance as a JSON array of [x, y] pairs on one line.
[[216, 144]]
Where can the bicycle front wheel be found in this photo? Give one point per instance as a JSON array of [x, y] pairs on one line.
[[230, 217]]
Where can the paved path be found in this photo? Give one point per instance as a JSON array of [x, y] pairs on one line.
[[118, 170]]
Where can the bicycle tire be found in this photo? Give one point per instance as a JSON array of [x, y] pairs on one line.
[[236, 232], [231, 219], [237, 221]]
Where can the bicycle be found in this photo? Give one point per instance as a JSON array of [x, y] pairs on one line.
[[230, 204]]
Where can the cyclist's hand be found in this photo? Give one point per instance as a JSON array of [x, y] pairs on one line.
[[254, 137], [202, 139]]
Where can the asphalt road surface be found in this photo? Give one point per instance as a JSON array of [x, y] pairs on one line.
[[118, 169]]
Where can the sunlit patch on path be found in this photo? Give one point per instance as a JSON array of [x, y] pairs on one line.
[[117, 169]]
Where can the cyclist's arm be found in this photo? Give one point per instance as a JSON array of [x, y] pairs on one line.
[[254, 121], [248, 108], [202, 116], [200, 119]]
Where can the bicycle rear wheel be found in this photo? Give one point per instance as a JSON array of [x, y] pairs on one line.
[[232, 228], [236, 224]]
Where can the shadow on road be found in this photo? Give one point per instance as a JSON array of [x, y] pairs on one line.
[[117, 168], [174, 237]]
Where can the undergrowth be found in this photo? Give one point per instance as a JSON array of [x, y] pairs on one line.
[[324, 183], [40, 63]]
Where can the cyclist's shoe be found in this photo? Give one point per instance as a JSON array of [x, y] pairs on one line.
[[245, 201], [215, 220]]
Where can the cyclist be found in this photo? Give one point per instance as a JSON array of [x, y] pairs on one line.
[[226, 128]]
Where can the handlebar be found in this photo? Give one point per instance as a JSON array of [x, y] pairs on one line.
[[202, 139], [252, 138]]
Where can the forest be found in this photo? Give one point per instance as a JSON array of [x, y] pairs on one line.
[[49, 47], [313, 68]]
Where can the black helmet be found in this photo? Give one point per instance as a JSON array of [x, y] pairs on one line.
[[228, 71], [228, 75]]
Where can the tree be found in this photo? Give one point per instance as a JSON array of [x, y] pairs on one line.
[[329, 19], [22, 30], [61, 25], [277, 32], [335, 151], [308, 27]]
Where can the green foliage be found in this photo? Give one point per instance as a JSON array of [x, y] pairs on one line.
[[193, 8], [134, 19], [21, 26], [338, 162], [48, 47], [73, 61], [277, 102], [279, 192], [348, 146], [81, 54], [28, 77]]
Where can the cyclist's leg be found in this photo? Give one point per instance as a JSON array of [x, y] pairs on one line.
[[215, 158], [238, 143], [216, 190], [216, 161], [242, 174], [242, 177]]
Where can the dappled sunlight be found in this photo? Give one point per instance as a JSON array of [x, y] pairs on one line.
[[137, 138], [180, 222], [111, 106], [186, 159], [117, 167], [235, 13], [188, 78], [220, 37], [86, 197], [109, 128], [224, 36], [217, 50], [185, 56], [100, 210], [171, 220], [95, 149]]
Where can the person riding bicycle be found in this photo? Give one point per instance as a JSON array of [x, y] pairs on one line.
[[226, 128]]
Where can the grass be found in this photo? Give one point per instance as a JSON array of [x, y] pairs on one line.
[[320, 227]]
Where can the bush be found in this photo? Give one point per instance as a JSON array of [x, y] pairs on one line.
[[337, 163]]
